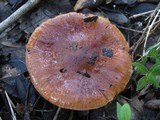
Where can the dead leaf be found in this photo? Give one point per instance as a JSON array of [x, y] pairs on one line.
[[147, 0], [124, 1], [153, 104], [81, 4], [137, 104]]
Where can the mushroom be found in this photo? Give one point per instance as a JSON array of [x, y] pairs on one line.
[[78, 61]]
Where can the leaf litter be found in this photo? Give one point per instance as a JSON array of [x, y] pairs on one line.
[[139, 21]]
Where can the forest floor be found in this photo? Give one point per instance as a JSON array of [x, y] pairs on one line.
[[138, 20]]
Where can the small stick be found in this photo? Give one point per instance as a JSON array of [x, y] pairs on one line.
[[71, 115], [10, 106], [130, 29], [149, 29], [156, 25], [57, 113], [17, 14], [141, 39], [140, 14]]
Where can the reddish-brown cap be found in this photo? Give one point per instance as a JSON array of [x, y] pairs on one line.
[[78, 61]]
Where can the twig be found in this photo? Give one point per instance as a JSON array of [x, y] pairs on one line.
[[10, 106], [13, 105], [141, 39], [71, 115], [125, 98], [17, 14], [130, 29], [57, 113], [156, 25], [149, 29], [26, 97], [140, 14], [35, 104], [157, 45], [143, 91]]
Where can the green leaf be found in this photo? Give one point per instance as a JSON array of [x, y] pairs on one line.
[[158, 60], [142, 83], [153, 80], [118, 110], [153, 53], [140, 68], [125, 112], [144, 60], [152, 47], [155, 69]]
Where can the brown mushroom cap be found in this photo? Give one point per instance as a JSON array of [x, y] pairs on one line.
[[78, 61]]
